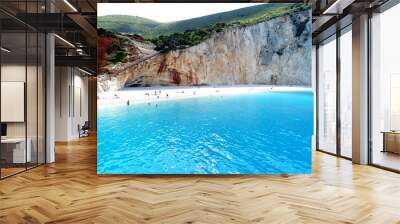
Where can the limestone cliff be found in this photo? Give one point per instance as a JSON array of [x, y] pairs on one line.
[[275, 52]]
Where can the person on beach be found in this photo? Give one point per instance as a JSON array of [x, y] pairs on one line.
[[167, 95], [127, 103]]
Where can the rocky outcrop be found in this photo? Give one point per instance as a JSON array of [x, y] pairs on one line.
[[275, 52]]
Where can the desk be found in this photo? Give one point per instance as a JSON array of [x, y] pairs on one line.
[[391, 141], [18, 150]]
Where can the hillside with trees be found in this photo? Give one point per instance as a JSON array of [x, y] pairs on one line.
[[186, 33]]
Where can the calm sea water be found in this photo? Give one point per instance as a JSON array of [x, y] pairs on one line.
[[261, 133]]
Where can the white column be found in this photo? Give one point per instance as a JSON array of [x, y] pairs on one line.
[[360, 90], [314, 88], [50, 100]]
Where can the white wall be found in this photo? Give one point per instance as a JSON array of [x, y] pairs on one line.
[[346, 76], [386, 69], [385, 75], [62, 83], [327, 96], [80, 110], [14, 72], [33, 126], [17, 73], [13, 100], [71, 102]]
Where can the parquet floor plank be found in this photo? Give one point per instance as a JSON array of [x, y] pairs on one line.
[[70, 191]]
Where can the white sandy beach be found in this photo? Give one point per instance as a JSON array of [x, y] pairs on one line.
[[139, 95]]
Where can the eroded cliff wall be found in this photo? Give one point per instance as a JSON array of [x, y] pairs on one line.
[[275, 52]]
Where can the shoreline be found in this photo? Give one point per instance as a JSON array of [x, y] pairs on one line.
[[141, 95]]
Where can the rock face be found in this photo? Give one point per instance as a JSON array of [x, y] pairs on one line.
[[275, 52]]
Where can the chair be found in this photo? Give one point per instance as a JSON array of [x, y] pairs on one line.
[[84, 130]]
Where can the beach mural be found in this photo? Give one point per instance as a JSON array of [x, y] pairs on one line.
[[204, 88]]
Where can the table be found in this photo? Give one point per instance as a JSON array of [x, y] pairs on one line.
[[19, 155], [391, 141]]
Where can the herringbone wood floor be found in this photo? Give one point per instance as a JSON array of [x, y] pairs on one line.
[[69, 191]]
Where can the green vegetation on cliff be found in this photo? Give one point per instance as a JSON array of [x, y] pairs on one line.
[[151, 29], [186, 39], [181, 40], [186, 33], [126, 24]]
